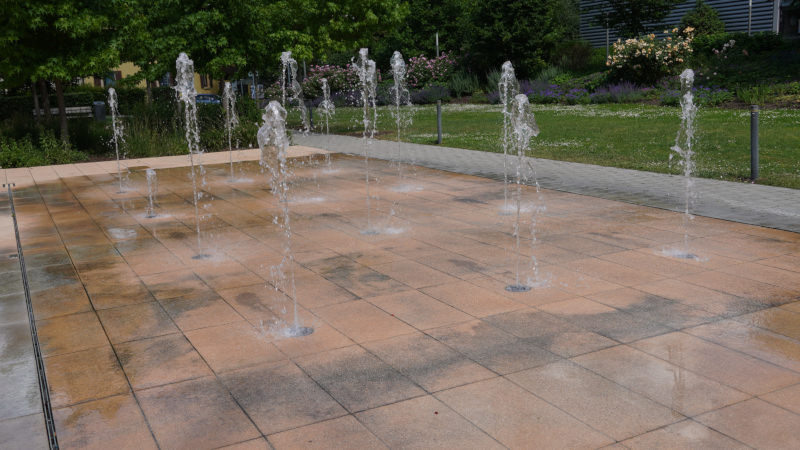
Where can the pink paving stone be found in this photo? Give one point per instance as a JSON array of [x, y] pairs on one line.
[[397, 317]]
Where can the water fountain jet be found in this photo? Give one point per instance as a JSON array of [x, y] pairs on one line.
[[187, 94], [685, 153], [274, 143], [295, 89], [152, 191], [118, 132], [508, 88], [402, 98], [327, 109], [368, 78], [523, 128], [231, 120]]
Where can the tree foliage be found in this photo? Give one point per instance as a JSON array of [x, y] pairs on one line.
[[484, 33], [633, 17], [227, 38], [524, 32], [704, 19]]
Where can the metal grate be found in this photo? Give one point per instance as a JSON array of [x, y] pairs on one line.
[[44, 390]]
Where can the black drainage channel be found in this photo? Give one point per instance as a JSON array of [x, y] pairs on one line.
[[44, 391]]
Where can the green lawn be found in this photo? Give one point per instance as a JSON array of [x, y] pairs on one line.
[[629, 136]]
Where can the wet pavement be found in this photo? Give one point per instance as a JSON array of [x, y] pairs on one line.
[[754, 204], [416, 342], [22, 422]]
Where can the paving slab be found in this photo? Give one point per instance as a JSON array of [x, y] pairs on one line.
[[22, 423], [755, 204], [416, 342]]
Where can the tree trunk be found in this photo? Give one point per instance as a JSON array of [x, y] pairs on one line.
[[38, 113], [45, 98], [148, 92], [62, 111]]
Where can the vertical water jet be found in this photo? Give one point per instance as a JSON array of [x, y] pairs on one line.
[[152, 191], [368, 78], [118, 132], [327, 109], [231, 120], [290, 84], [187, 94], [274, 143], [508, 89], [523, 128], [684, 151]]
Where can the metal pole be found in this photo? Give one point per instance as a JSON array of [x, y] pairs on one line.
[[753, 142], [438, 104], [608, 38], [749, 16]]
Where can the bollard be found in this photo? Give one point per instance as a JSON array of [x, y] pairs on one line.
[[753, 142], [439, 121]]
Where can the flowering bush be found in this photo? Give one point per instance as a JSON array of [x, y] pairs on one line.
[[618, 93], [542, 92], [339, 79], [422, 71], [647, 59]]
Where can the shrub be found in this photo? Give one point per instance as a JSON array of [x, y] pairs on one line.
[[573, 55], [647, 59], [346, 98], [754, 95], [480, 97], [704, 19], [90, 136], [423, 71], [340, 78], [711, 96], [462, 83], [492, 80], [703, 96], [542, 92], [549, 74], [48, 150], [430, 94], [146, 140], [617, 93], [755, 43]]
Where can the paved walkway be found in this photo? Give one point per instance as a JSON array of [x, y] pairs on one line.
[[753, 204], [22, 422], [21, 418]]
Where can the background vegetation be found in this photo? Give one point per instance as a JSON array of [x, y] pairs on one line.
[[45, 44]]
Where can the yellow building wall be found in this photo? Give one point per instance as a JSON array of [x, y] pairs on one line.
[[212, 86], [129, 69]]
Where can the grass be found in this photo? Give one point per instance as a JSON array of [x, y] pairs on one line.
[[619, 135]]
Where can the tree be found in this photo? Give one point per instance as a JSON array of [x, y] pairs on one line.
[[704, 19], [631, 18], [524, 32], [58, 40], [232, 37], [416, 34]]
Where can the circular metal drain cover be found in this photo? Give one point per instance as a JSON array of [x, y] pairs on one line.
[[299, 331], [518, 288]]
